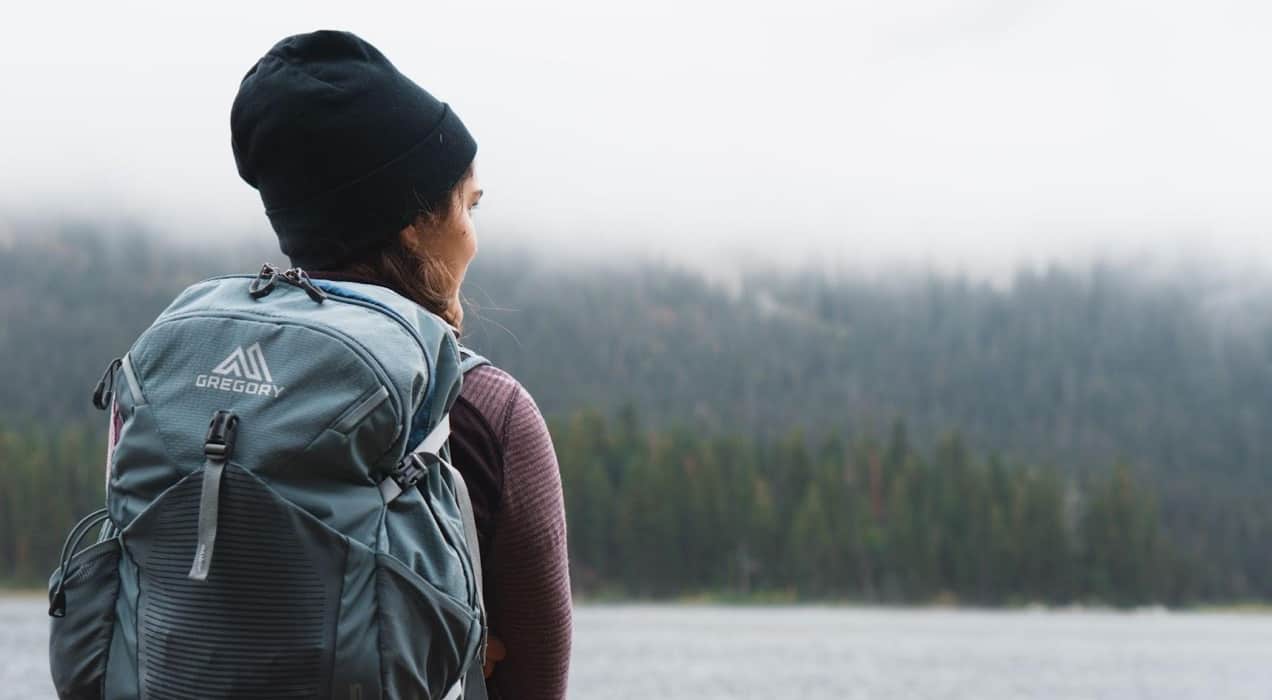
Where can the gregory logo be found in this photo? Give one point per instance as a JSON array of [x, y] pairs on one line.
[[243, 372]]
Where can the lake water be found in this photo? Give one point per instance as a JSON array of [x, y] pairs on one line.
[[708, 653]]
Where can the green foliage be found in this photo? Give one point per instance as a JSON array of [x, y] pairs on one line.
[[699, 515], [1080, 369], [48, 479]]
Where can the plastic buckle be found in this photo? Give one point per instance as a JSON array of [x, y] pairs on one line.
[[221, 433], [409, 472]]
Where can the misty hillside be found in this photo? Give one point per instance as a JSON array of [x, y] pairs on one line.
[[1072, 366], [1077, 370]]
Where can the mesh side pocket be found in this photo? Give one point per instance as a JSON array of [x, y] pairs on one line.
[[79, 639], [426, 636]]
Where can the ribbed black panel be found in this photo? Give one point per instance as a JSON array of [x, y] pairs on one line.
[[256, 627]]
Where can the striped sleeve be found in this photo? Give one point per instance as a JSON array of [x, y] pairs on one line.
[[531, 606]]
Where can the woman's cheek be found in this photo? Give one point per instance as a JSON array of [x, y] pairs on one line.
[[470, 239]]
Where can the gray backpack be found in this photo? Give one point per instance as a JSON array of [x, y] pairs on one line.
[[282, 520]]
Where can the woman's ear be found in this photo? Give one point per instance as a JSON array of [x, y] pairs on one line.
[[415, 236], [407, 235]]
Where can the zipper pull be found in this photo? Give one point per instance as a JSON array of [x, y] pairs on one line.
[[57, 600], [300, 278], [106, 385], [264, 282]]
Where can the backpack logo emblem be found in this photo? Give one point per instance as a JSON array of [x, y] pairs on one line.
[[250, 364], [243, 372]]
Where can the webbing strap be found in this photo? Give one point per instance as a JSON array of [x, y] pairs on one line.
[[209, 506], [390, 489], [432, 443], [474, 681], [216, 452], [470, 525], [414, 465]]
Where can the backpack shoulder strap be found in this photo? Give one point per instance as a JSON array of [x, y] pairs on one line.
[[469, 360]]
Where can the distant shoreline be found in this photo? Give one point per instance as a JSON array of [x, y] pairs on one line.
[[1243, 608], [22, 593]]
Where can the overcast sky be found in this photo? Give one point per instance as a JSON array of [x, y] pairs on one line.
[[971, 134]]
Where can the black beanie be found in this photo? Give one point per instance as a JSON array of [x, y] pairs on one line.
[[342, 147]]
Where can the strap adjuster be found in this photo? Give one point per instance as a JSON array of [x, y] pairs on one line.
[[413, 467], [407, 474], [221, 433]]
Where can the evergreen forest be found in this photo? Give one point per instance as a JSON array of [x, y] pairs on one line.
[[1093, 434]]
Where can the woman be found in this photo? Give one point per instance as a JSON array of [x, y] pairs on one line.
[[366, 177]]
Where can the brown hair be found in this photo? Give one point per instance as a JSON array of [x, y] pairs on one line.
[[406, 266]]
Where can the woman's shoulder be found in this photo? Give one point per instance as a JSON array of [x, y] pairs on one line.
[[498, 396], [488, 377]]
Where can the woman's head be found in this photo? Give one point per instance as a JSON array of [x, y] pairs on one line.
[[355, 163], [429, 257]]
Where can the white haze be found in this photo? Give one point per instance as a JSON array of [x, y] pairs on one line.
[[974, 135]]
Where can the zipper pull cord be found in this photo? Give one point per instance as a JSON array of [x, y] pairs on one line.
[[298, 277], [264, 281], [105, 389], [57, 600]]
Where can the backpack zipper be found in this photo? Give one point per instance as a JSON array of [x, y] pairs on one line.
[[334, 292], [361, 350]]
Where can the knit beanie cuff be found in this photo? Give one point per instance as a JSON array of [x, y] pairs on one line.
[[366, 213]]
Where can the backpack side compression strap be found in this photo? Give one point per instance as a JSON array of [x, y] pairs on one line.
[[415, 465], [474, 682], [431, 450]]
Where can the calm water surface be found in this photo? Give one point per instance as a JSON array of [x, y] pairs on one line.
[[709, 653]]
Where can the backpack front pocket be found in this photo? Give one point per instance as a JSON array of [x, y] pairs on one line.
[[260, 623], [82, 596]]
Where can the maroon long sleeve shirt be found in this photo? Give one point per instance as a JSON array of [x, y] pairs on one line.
[[501, 445]]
